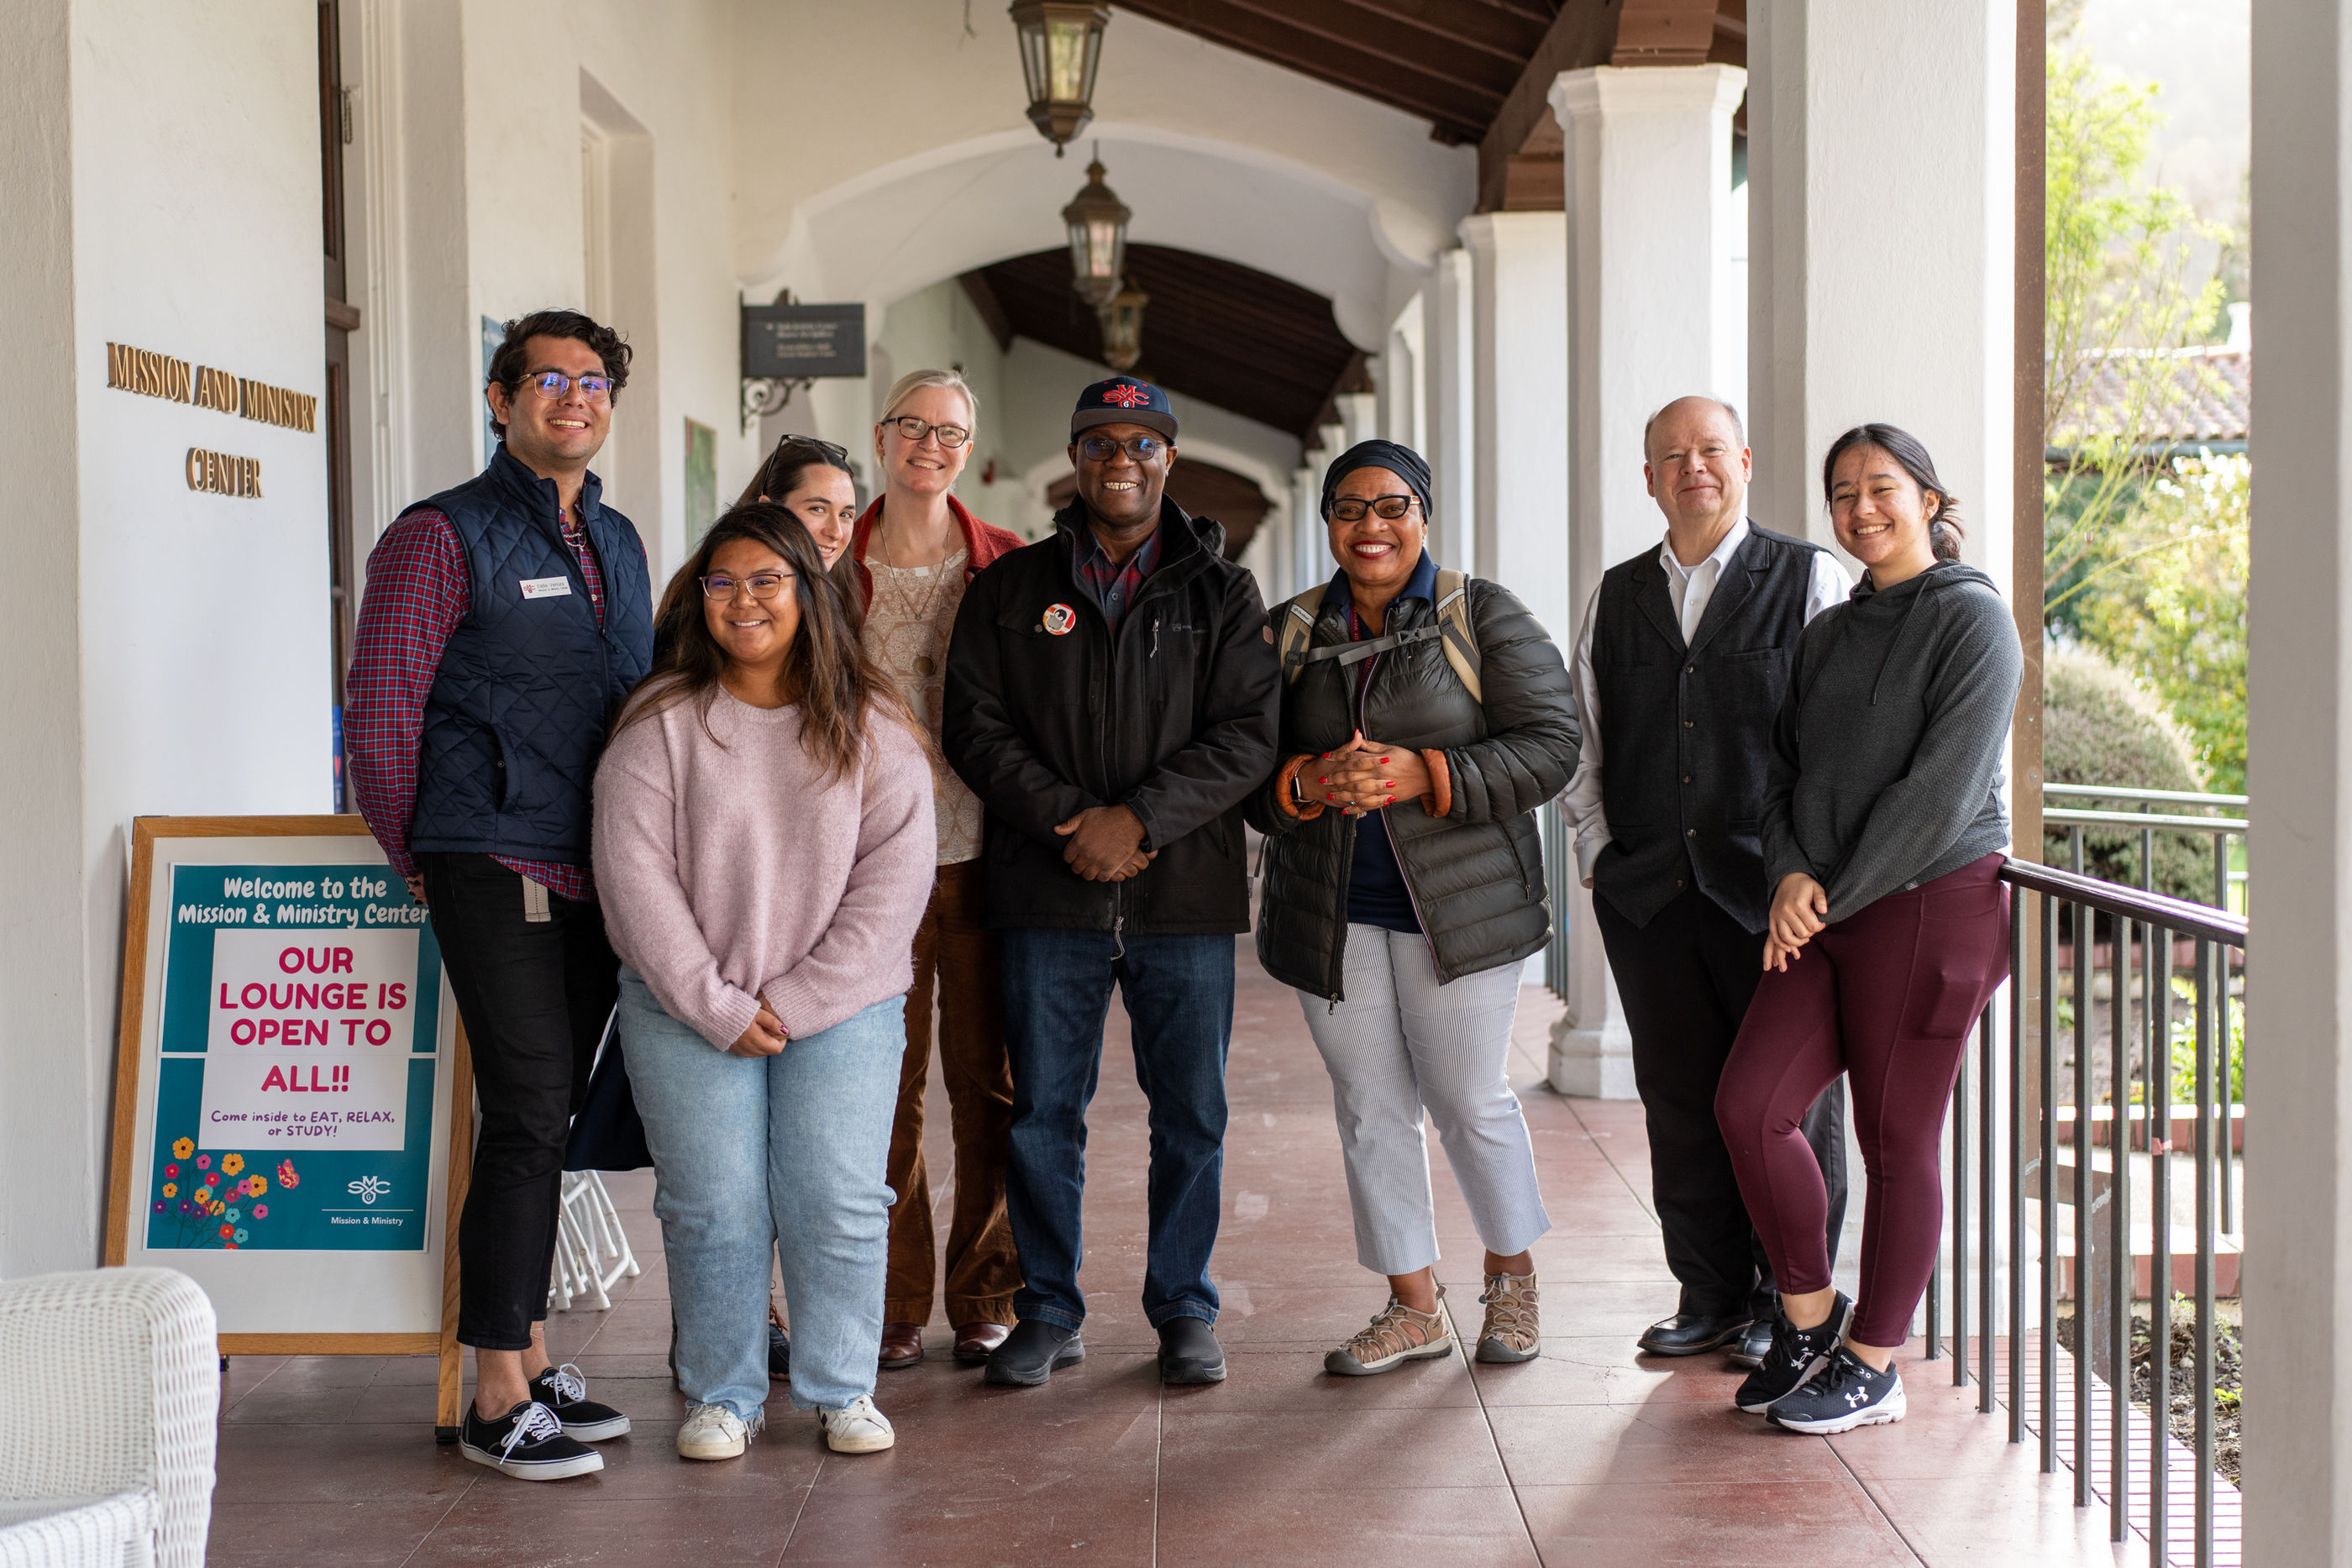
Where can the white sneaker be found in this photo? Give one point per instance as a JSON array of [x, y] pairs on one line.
[[712, 1432], [856, 1428]]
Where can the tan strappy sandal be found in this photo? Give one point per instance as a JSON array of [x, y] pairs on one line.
[[1397, 1335]]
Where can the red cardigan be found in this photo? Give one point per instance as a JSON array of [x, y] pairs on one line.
[[984, 542]]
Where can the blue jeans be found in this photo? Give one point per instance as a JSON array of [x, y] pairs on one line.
[[1179, 992], [784, 1151]]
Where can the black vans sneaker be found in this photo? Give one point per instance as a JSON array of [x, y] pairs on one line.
[[1796, 1354], [526, 1443], [562, 1390], [1846, 1394]]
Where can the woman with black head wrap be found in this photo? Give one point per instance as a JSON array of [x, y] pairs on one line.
[[1425, 716]]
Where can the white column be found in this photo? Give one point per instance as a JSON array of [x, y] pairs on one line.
[[1882, 248], [1650, 317], [1453, 414], [2299, 1366], [1518, 264], [1359, 415]]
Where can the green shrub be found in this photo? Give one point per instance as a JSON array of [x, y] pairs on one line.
[[2100, 726]]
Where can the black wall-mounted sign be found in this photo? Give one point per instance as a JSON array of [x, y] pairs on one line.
[[801, 340]]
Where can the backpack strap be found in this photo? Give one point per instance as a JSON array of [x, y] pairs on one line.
[[1460, 640], [1294, 628]]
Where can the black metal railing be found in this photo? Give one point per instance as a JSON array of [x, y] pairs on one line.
[[2049, 905]]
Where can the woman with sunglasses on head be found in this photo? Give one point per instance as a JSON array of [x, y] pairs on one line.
[[812, 479], [1882, 833], [912, 555], [764, 840], [1424, 718]]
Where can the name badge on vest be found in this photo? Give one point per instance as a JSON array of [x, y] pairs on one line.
[[545, 587]]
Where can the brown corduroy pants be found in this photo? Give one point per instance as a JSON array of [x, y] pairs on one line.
[[956, 961]]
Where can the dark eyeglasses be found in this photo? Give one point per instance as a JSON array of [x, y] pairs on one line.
[[553, 384], [1352, 509], [1143, 448], [762, 584], [951, 435]]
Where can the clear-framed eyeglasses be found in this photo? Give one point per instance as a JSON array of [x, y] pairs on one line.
[[553, 384], [761, 584], [1352, 509], [951, 435]]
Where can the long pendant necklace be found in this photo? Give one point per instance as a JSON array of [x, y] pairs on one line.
[[924, 611]]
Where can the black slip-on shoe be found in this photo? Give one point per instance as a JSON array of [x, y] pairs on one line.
[[562, 1390], [526, 1443], [1844, 1395], [1754, 1343], [1794, 1355], [1033, 1353], [1188, 1352], [1692, 1334]]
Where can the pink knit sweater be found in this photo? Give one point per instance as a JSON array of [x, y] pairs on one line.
[[729, 873]]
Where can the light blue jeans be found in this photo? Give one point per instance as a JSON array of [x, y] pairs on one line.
[[785, 1151]]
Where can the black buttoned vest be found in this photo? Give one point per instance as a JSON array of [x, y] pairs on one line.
[[1685, 729]]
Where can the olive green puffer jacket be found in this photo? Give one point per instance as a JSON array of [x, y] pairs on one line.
[[1476, 873]]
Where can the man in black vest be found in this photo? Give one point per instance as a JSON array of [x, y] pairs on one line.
[[505, 619], [1679, 671]]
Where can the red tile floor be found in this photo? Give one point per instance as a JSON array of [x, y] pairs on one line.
[[1590, 1455]]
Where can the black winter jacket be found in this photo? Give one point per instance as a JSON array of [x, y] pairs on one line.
[[1477, 873], [1174, 719]]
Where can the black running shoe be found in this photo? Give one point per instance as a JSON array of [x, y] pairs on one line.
[[562, 1390], [1032, 1353], [526, 1443], [780, 1351], [1846, 1394], [1796, 1354]]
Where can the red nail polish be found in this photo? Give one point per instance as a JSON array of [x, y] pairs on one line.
[[1384, 759]]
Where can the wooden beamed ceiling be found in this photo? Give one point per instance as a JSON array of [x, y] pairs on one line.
[[1215, 330], [1479, 70]]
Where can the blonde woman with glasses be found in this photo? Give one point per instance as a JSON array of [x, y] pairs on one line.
[[912, 554]]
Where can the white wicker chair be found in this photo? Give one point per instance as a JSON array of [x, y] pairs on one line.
[[109, 1394]]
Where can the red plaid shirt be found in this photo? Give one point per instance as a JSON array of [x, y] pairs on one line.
[[417, 592], [1114, 586]]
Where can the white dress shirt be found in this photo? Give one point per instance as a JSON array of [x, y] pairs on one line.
[[1691, 587]]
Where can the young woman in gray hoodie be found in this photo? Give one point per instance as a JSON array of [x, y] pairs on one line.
[[1882, 833]]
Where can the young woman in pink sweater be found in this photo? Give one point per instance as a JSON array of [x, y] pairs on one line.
[[764, 847]]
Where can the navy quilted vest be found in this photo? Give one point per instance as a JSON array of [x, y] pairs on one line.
[[528, 687]]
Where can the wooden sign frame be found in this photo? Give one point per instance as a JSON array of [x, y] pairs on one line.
[[132, 1091]]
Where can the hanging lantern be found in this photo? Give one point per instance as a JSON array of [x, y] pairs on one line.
[[1060, 43], [1098, 223], [1122, 327]]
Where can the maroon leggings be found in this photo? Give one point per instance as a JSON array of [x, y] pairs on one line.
[[1888, 998]]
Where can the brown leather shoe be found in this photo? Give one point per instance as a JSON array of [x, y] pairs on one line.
[[974, 1341], [902, 1346]]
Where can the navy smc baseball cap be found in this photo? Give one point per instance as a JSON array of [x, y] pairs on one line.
[[1123, 400]]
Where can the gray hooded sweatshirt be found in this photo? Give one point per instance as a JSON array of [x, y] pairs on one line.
[[1886, 758]]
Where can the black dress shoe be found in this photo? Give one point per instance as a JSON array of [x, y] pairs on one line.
[[1754, 1343], [1033, 1353], [780, 1351], [1188, 1352], [1690, 1334]]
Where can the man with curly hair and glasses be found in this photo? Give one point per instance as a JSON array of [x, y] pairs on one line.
[[503, 622]]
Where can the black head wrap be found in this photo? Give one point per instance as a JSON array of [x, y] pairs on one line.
[[1401, 461]]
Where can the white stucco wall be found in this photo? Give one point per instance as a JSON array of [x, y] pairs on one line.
[[182, 664]]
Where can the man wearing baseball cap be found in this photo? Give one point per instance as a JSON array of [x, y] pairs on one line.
[[1112, 696]]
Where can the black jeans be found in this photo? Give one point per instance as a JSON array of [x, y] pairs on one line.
[[534, 996], [1687, 978]]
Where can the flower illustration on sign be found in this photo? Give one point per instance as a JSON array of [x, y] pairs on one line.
[[232, 1164], [369, 1188]]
